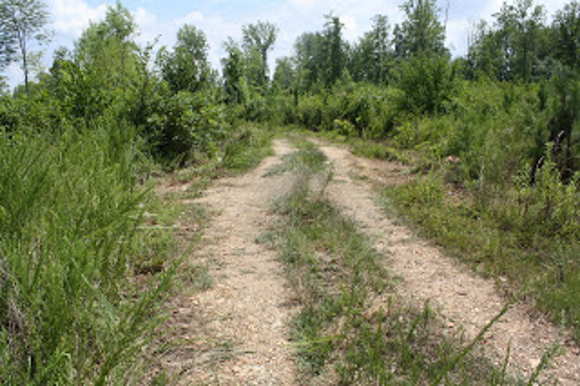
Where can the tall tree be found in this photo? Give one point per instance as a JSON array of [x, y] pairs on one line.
[[485, 54], [187, 66], [309, 57], [104, 71], [3, 86], [21, 23], [521, 30], [421, 33], [233, 72], [373, 53], [260, 38], [517, 46], [284, 74], [566, 31], [334, 50]]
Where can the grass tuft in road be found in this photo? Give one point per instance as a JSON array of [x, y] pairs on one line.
[[352, 329]]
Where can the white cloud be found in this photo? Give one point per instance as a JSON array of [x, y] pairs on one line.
[[147, 25], [71, 17], [457, 35]]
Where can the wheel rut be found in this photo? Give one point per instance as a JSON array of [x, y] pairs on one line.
[[467, 302], [238, 329]]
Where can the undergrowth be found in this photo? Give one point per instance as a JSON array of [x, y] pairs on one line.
[[352, 329], [528, 239], [89, 255], [72, 309]]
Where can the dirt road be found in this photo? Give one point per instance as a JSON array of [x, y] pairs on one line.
[[468, 302], [238, 330]]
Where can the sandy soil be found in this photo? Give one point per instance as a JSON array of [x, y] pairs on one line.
[[236, 333], [468, 302]]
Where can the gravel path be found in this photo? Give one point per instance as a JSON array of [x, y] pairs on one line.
[[241, 323], [467, 301]]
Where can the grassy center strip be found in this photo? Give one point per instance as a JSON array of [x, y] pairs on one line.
[[352, 329]]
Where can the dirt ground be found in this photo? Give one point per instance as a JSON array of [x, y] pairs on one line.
[[467, 301], [237, 332]]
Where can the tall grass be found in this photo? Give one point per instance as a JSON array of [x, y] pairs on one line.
[[70, 310]]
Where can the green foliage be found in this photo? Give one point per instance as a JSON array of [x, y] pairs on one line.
[[428, 83], [334, 52], [233, 73], [258, 39], [363, 110], [185, 126], [70, 311], [421, 33], [517, 49], [284, 74], [321, 57], [548, 206], [566, 28], [186, 68], [309, 59], [246, 147], [372, 58]]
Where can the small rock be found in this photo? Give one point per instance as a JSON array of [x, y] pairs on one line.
[[534, 363]]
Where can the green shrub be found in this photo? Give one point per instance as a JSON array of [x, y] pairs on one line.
[[428, 83], [70, 312], [186, 124]]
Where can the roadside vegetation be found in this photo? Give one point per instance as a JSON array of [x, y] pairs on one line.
[[88, 253]]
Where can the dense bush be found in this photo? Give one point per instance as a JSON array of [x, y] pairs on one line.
[[184, 126], [428, 83]]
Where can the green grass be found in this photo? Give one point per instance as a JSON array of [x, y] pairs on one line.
[[342, 337], [247, 147], [528, 260], [88, 255], [71, 309]]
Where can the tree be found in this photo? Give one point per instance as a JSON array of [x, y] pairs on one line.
[[373, 54], [108, 44], [422, 33], [521, 29], [21, 22], [187, 66], [309, 57], [566, 34], [104, 70], [258, 39], [334, 50], [285, 74], [485, 54], [3, 86], [517, 46], [233, 72]]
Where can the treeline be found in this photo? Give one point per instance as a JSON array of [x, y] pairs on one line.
[[500, 125]]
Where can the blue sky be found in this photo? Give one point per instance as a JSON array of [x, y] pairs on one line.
[[222, 18]]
